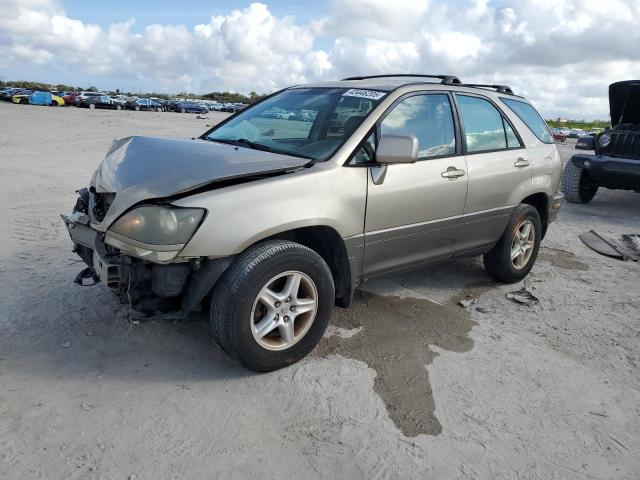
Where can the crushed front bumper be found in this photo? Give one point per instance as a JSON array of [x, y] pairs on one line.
[[175, 288]]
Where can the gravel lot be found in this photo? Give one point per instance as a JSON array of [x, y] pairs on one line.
[[408, 385]]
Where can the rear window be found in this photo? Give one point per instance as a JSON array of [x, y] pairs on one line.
[[531, 118]]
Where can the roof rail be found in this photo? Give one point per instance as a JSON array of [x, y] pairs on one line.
[[446, 79], [499, 88]]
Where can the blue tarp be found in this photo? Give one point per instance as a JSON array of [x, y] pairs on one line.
[[40, 98]]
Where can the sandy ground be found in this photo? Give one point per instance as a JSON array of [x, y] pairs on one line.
[[409, 385]]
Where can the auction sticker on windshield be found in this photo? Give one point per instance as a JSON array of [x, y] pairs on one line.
[[370, 94]]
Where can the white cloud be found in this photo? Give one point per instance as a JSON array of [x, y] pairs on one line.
[[560, 54]]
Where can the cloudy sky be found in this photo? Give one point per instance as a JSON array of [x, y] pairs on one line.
[[561, 54]]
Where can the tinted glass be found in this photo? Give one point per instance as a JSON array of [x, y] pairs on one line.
[[512, 138], [309, 122], [531, 119], [482, 124], [429, 118]]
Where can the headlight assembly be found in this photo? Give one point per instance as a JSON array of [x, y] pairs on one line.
[[604, 140], [159, 225]]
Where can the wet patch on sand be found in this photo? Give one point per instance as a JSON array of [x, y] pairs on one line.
[[394, 339], [562, 259]]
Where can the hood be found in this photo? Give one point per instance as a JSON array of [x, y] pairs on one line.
[[145, 168], [624, 102]]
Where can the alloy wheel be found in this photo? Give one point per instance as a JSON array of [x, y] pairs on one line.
[[524, 240], [284, 310]]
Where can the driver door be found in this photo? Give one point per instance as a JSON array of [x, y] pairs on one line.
[[414, 214]]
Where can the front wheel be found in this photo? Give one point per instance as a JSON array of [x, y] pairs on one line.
[[577, 185], [513, 257], [92, 106], [272, 306], [183, 110], [118, 107]]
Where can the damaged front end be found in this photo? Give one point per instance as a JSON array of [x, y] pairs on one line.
[[161, 285]]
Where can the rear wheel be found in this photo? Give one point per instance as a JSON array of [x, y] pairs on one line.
[[159, 109], [272, 305], [137, 108], [577, 185], [513, 257], [92, 106], [183, 110], [118, 107]]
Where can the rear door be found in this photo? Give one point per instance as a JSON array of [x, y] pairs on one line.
[[499, 169], [413, 214]]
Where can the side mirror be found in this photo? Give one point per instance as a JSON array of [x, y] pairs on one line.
[[397, 149]]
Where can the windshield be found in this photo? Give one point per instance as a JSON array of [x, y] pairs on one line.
[[304, 122]]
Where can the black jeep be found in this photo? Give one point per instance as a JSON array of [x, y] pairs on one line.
[[616, 163]]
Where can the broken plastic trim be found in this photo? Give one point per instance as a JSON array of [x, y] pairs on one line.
[[87, 274]]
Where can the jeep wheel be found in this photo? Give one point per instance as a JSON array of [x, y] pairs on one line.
[[272, 305], [576, 184], [511, 259]]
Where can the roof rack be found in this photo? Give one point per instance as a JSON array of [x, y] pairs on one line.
[[446, 79], [499, 88]]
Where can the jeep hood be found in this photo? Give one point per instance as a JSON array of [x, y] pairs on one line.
[[624, 102], [144, 168]]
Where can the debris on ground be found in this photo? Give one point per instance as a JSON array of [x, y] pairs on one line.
[[86, 407], [611, 248], [467, 302], [202, 117], [633, 241], [523, 296], [66, 345]]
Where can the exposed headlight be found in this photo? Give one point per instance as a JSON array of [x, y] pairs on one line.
[[604, 140], [159, 225]]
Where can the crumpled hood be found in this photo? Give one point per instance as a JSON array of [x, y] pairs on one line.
[[144, 168], [624, 102]]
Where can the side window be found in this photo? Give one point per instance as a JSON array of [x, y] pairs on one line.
[[531, 118], [483, 124], [365, 155], [512, 138], [430, 118]]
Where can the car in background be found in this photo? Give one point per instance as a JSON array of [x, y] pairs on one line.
[[7, 93], [22, 96], [119, 100], [576, 132], [558, 136], [616, 160], [191, 107], [143, 104], [98, 101], [70, 98]]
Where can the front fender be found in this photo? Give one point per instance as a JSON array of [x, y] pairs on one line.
[[241, 215]]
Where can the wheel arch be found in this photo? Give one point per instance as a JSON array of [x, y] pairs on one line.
[[327, 243], [539, 201]]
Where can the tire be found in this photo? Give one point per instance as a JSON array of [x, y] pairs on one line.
[[183, 110], [53, 103], [137, 108], [576, 184], [118, 107], [159, 109], [92, 106], [236, 305], [499, 263]]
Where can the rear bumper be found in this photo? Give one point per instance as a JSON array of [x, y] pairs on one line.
[[555, 202], [610, 172]]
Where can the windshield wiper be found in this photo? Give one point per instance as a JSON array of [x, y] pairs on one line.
[[243, 142]]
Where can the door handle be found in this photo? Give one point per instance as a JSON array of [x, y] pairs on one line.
[[453, 172], [521, 162]]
